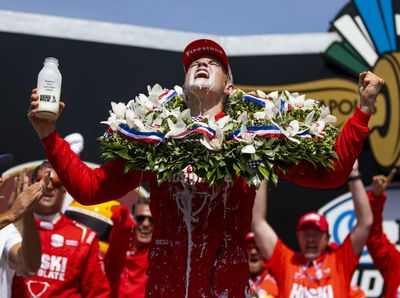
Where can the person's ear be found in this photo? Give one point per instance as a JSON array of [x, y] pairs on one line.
[[229, 89]]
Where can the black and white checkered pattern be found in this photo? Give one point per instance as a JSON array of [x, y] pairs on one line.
[[254, 163]]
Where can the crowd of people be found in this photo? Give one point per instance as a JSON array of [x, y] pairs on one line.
[[189, 239]]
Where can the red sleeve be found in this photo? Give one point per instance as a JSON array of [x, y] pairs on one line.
[[94, 282], [119, 241], [281, 257], [346, 261], [90, 186], [348, 147], [384, 254]]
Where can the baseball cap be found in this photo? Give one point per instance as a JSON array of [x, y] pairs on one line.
[[250, 237], [6, 161], [313, 219], [203, 47]]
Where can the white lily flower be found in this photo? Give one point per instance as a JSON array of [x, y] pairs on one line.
[[175, 128], [317, 127], [156, 125], [179, 90], [185, 115], [242, 118], [273, 95], [145, 102], [216, 142], [118, 109], [175, 112], [225, 123], [247, 137], [291, 130], [154, 93], [261, 94], [130, 116], [249, 149], [156, 90], [326, 115], [113, 122], [270, 111], [300, 102]]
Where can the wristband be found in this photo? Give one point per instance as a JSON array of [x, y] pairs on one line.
[[353, 178]]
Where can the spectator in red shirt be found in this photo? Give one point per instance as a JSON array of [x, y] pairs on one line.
[[384, 254], [130, 237]]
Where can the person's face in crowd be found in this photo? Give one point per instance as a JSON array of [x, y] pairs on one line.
[[206, 75], [53, 196], [312, 242], [144, 220], [256, 262]]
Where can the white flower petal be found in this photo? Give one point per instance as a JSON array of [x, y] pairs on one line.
[[248, 149]]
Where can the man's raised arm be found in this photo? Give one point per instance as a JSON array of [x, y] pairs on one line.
[[348, 145], [87, 186], [360, 232], [266, 237]]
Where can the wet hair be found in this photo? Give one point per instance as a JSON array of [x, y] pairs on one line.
[[43, 165]]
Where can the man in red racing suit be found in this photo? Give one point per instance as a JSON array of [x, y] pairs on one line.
[[385, 255], [71, 263], [198, 247]]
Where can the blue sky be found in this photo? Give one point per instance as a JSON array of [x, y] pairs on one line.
[[220, 17]]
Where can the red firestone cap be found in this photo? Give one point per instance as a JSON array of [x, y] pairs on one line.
[[204, 47]]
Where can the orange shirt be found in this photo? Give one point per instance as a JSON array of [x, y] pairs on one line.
[[357, 292], [264, 285], [328, 276]]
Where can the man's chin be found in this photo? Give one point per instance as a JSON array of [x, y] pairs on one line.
[[311, 255], [144, 240]]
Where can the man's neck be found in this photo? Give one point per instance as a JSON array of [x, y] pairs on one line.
[[203, 103], [53, 218]]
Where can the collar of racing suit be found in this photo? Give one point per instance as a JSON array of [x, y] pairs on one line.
[[48, 222]]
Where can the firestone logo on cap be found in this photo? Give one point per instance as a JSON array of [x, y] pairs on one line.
[[203, 49]]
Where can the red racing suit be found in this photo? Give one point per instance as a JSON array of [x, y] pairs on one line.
[[385, 255], [198, 247], [127, 275], [71, 263]]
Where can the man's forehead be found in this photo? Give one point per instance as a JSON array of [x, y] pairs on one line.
[[207, 58], [143, 209], [311, 229]]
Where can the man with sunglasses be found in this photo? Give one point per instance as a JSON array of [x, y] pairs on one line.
[[130, 237], [71, 264]]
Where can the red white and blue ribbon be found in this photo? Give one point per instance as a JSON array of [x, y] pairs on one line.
[[167, 96], [270, 131], [204, 130], [255, 99], [139, 136], [284, 107]]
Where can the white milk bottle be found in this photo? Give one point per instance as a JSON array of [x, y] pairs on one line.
[[49, 89]]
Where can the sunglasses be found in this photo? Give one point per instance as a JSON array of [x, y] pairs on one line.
[[54, 180], [141, 218]]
